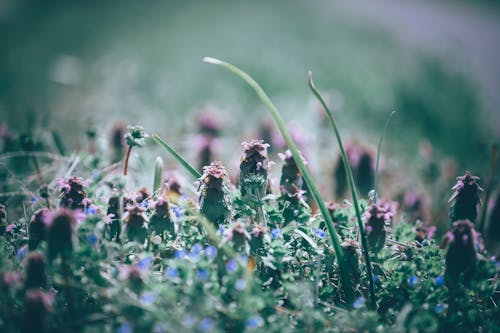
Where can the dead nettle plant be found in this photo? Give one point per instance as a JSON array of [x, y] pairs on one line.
[[344, 271]]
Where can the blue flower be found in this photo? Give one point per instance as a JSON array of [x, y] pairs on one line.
[[90, 210], [144, 204], [439, 308], [160, 328], [439, 281], [124, 328], [275, 233], [375, 278], [144, 263], [210, 252], [241, 284], [359, 302], [413, 281], [254, 322], [178, 211], [92, 239], [231, 266], [425, 242], [34, 200], [148, 298], [319, 233], [180, 254], [220, 230], [206, 325], [21, 253], [196, 249], [172, 273], [203, 274]]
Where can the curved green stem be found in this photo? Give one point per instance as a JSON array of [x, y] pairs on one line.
[[350, 179], [176, 155], [379, 148], [344, 275]]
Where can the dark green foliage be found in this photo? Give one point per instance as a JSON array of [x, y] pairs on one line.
[[465, 199]]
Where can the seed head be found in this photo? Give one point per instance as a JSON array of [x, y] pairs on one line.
[[136, 136]]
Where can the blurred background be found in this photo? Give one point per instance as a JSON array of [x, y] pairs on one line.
[[68, 65]]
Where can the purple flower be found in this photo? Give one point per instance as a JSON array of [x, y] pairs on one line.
[[144, 263], [275, 233], [231, 266], [210, 252], [254, 322], [359, 302], [413, 281], [319, 233]]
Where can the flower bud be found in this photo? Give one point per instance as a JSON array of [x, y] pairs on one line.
[[461, 256], [34, 271], [37, 227], [214, 189], [254, 168], [60, 235], [135, 227], [375, 218], [72, 194], [161, 220], [465, 199]]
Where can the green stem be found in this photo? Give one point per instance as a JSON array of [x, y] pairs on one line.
[[344, 276], [157, 181], [379, 148], [176, 155], [350, 179], [127, 157]]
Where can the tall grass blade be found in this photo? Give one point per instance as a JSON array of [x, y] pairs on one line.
[[158, 177], [379, 148], [350, 179], [176, 155], [344, 275]]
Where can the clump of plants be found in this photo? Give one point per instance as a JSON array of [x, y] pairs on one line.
[[245, 257]]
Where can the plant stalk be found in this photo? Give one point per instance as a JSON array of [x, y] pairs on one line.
[[176, 155]]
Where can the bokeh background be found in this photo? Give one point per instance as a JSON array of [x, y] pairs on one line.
[[67, 64]]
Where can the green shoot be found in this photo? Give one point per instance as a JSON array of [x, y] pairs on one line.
[[176, 155], [350, 179]]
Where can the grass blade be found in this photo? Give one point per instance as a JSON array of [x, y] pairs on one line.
[[350, 180], [344, 276], [176, 155], [379, 148], [158, 177]]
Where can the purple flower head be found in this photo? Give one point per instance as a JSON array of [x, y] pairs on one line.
[[60, 234], [461, 256], [254, 167], [180, 254], [35, 276], [376, 216], [125, 328], [72, 193], [214, 193]]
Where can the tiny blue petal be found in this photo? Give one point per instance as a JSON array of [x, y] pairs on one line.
[[241, 284], [180, 254], [124, 328], [145, 263], [220, 230], [90, 210], [148, 298], [439, 308], [231, 266], [92, 239], [203, 274], [319, 233], [413, 281], [144, 204], [34, 199], [172, 273], [196, 249], [210, 252], [275, 233], [439, 281], [206, 325], [375, 278], [254, 322], [359, 302], [21, 253], [178, 211]]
